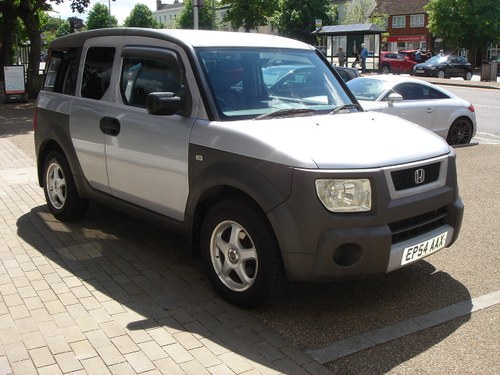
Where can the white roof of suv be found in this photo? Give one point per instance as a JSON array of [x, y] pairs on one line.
[[193, 38]]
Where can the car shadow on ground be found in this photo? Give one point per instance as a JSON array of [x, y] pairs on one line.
[[149, 272], [148, 283]]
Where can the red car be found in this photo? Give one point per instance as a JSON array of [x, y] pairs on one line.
[[394, 62]]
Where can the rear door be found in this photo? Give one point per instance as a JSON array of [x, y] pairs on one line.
[[90, 105], [147, 155]]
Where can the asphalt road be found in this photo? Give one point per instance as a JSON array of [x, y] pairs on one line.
[[315, 317], [487, 106]]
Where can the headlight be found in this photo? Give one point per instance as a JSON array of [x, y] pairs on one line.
[[345, 195]]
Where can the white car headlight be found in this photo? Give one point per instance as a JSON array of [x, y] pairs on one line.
[[345, 195]]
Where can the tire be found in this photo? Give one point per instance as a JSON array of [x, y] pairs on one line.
[[59, 188], [468, 76], [460, 131], [440, 74], [240, 254], [385, 69]]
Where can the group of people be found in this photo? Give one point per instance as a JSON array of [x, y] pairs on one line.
[[362, 55]]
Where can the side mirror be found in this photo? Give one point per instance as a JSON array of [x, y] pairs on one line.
[[394, 97], [165, 103]]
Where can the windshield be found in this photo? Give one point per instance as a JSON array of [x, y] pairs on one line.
[[436, 59], [251, 82], [366, 88]]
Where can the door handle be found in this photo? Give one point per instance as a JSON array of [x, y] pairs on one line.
[[110, 126]]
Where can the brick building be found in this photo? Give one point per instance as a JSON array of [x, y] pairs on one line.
[[406, 25]]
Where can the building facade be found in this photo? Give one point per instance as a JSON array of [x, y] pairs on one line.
[[406, 25]]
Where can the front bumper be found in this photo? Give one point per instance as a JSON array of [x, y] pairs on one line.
[[318, 245]]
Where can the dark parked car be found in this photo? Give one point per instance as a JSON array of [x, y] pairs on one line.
[[347, 73], [393, 62], [445, 67]]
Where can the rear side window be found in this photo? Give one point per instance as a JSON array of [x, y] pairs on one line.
[[97, 72], [415, 91], [62, 71]]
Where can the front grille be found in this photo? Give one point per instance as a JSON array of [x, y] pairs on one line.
[[412, 227], [406, 178]]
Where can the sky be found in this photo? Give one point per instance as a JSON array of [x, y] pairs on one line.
[[119, 8]]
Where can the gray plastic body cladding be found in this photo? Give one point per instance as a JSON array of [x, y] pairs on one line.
[[54, 126], [308, 234], [268, 184]]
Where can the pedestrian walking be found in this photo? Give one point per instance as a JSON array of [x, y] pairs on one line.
[[364, 55], [341, 56], [356, 58]]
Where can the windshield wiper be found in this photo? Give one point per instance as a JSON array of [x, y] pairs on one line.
[[288, 112], [342, 107]]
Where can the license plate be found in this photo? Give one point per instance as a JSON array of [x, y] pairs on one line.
[[421, 250], [419, 70]]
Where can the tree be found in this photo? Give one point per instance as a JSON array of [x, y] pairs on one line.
[[296, 18], [465, 23], [99, 17], [206, 19], [8, 24], [360, 11], [141, 16], [248, 14]]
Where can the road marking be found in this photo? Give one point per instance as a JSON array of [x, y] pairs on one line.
[[379, 336], [487, 138]]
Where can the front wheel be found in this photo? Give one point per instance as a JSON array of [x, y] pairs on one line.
[[240, 253], [385, 69], [59, 188], [468, 76], [440, 74], [460, 131]]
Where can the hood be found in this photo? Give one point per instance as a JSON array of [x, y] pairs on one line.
[[425, 65], [341, 141]]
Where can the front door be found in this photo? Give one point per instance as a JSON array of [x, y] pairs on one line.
[[147, 155]]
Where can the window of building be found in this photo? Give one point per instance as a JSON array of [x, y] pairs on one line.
[[398, 22], [97, 72], [417, 20]]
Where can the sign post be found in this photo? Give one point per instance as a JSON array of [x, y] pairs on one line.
[[15, 90]]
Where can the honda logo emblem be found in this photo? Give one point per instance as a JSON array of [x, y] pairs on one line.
[[419, 176]]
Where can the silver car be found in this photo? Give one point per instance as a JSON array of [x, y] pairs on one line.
[[420, 102], [273, 173]]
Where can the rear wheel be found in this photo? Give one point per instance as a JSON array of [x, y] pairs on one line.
[[386, 69], [240, 253], [59, 188], [468, 76], [440, 74], [460, 131]]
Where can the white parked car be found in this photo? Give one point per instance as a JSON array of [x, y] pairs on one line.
[[420, 102]]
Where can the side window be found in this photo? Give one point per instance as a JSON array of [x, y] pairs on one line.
[[412, 91], [97, 72], [142, 76], [436, 94], [62, 72]]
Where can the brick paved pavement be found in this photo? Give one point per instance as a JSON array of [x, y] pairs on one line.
[[113, 295]]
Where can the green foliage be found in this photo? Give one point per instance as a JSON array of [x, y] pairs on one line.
[[248, 14], [465, 23], [99, 18], [360, 11], [297, 18], [142, 16], [206, 19]]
